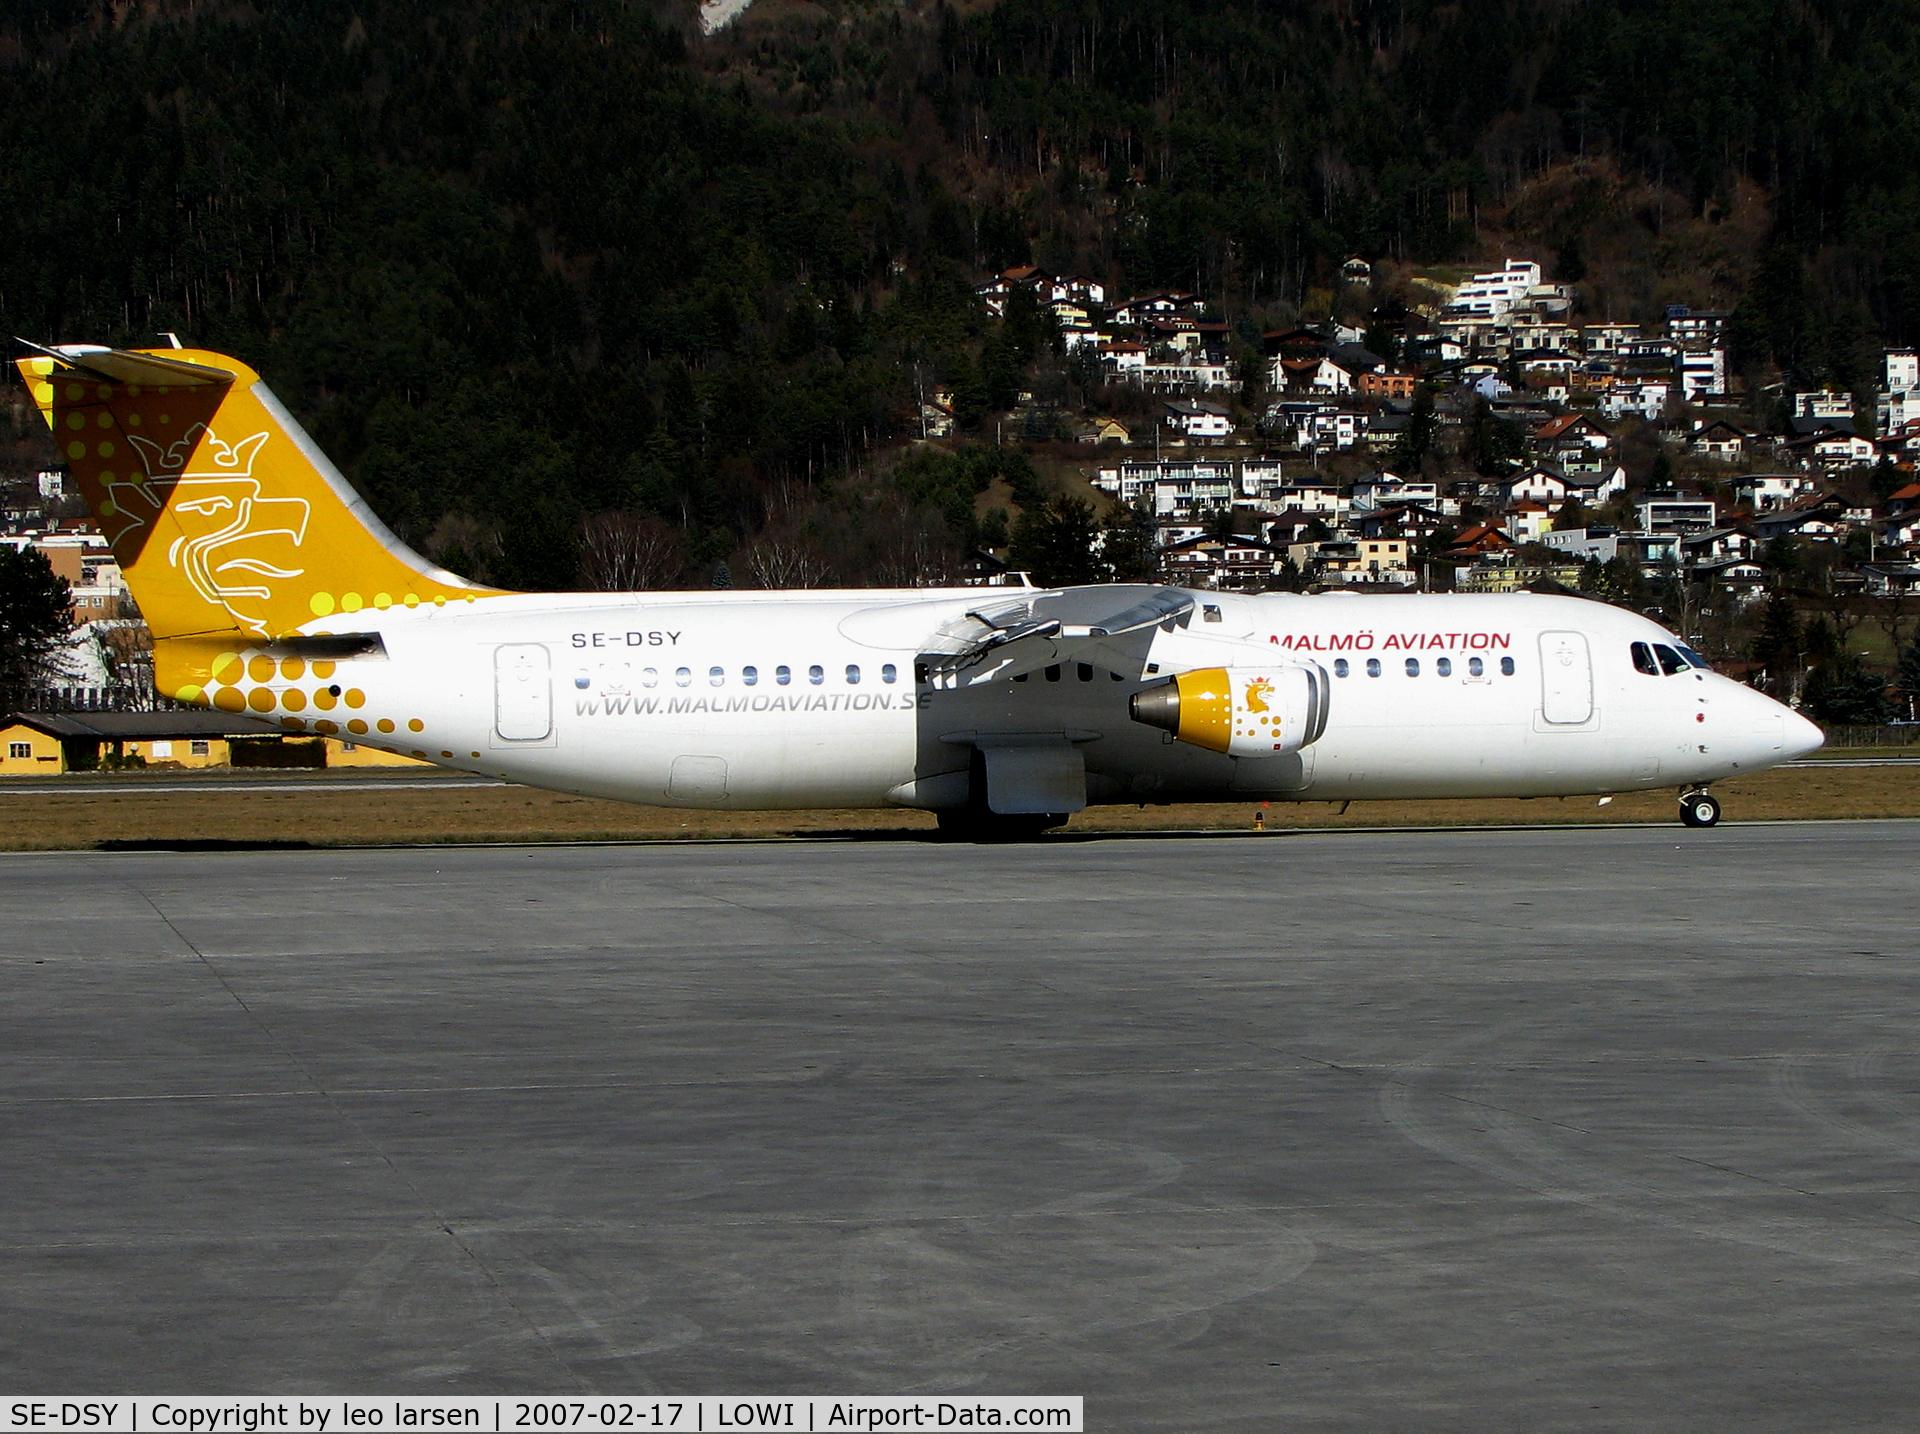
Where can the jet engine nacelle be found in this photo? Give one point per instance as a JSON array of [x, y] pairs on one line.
[[1242, 711]]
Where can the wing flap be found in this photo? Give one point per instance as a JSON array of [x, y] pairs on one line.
[[1109, 625]]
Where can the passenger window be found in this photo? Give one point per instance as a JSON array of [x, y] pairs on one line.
[[648, 676], [888, 672], [1671, 662], [1084, 671], [716, 676], [1373, 667], [683, 676], [1053, 673], [1413, 667], [1339, 667], [749, 675], [1643, 660], [1506, 667], [1475, 667], [816, 674], [783, 675], [853, 674], [1444, 666]]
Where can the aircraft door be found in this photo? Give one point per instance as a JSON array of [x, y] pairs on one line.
[[1566, 678], [522, 692]]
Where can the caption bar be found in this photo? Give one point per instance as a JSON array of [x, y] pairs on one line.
[[141, 1414]]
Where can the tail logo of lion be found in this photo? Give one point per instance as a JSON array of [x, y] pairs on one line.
[[234, 542]]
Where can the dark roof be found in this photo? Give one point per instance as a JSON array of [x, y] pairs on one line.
[[1355, 356], [140, 726], [1809, 427]]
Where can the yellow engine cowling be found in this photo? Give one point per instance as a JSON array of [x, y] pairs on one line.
[[1242, 711]]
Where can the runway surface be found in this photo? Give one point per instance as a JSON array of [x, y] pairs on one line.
[[1514, 1130]]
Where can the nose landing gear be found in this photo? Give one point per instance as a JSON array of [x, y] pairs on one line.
[[1698, 809]]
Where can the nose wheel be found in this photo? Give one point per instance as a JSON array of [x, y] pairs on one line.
[[1698, 809]]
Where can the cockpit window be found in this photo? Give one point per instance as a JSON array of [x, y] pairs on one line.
[[1643, 660], [1671, 662], [1695, 658]]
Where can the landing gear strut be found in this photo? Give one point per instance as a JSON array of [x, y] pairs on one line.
[[1697, 809]]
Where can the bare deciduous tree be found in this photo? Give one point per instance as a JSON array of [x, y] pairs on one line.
[[911, 547], [1894, 613], [622, 552], [784, 560]]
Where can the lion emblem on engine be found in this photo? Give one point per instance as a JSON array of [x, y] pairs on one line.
[[1258, 691]]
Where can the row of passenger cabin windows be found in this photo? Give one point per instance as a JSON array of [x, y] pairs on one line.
[[1082, 670], [750, 676], [1442, 667], [1656, 659]]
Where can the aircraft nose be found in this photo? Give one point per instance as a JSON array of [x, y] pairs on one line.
[[1801, 737]]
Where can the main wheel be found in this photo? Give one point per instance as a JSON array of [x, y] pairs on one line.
[[1697, 809]]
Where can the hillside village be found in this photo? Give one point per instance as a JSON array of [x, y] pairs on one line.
[[1486, 442]]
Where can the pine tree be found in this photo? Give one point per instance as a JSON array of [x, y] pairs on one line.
[[1845, 693], [1906, 675], [1000, 371], [36, 611], [1054, 543], [1778, 645], [1127, 550], [1416, 439], [970, 399]]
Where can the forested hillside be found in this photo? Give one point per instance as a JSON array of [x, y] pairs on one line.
[[523, 263]]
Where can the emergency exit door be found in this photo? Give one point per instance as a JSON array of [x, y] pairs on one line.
[[522, 692], [1566, 678]]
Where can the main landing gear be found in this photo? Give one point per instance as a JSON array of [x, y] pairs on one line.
[[1697, 809], [968, 824]]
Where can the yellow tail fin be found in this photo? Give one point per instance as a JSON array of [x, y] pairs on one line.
[[231, 526]]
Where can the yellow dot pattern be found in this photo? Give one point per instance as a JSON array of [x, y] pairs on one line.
[[255, 682]]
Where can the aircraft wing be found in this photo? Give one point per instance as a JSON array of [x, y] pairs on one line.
[[1110, 625]]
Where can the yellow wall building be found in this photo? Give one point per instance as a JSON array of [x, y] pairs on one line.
[[44, 744], [27, 751]]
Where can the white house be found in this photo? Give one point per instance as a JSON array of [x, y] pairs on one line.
[[1823, 405], [1538, 485], [1321, 375], [1686, 326], [1718, 440], [1371, 494], [1187, 377], [1772, 490], [1526, 521], [1601, 544], [1678, 515], [1703, 373], [1171, 484], [1596, 339], [1895, 409], [1643, 399], [1833, 448], [1495, 295], [1200, 421]]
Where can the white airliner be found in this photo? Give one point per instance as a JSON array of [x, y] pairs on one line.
[[271, 587]]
